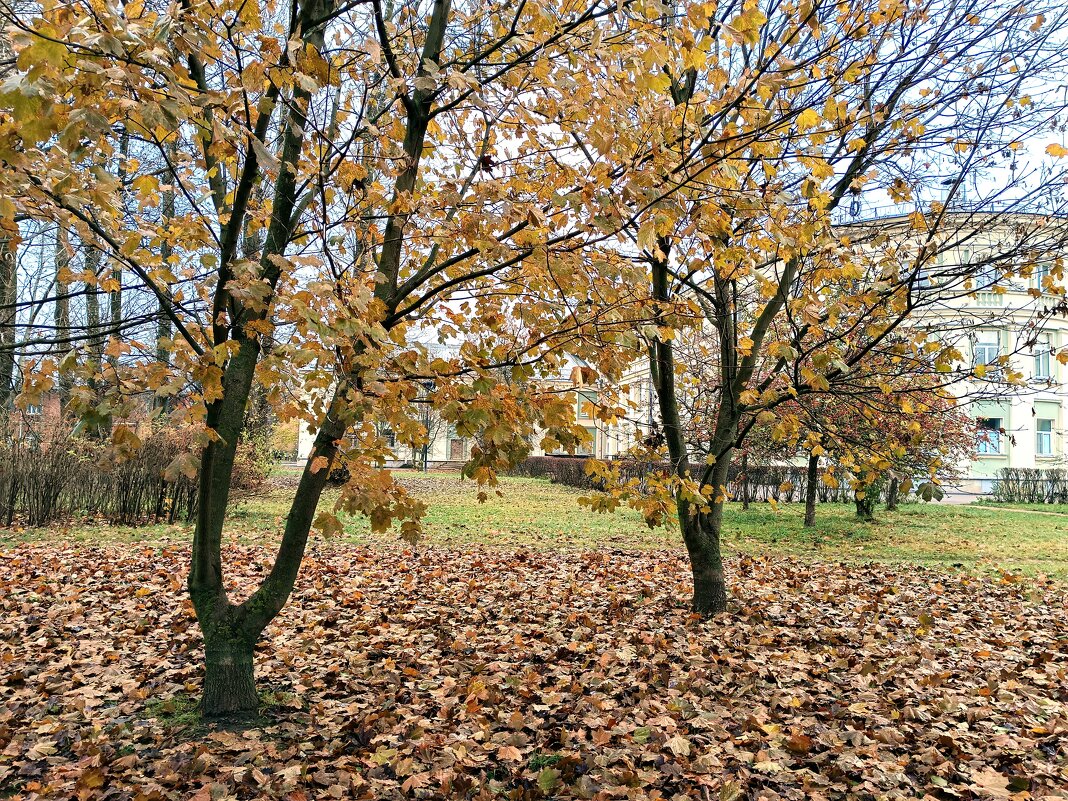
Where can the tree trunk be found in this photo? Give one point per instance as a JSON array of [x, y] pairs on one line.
[[811, 481], [115, 298], [230, 632], [866, 505], [164, 328], [745, 481], [229, 681], [702, 536], [891, 494], [8, 293], [62, 312], [92, 312]]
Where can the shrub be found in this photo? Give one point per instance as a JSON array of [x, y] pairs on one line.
[[780, 483], [1031, 485], [48, 473]]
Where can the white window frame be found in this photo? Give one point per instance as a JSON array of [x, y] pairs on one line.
[[989, 440], [1044, 439], [1043, 357], [980, 346]]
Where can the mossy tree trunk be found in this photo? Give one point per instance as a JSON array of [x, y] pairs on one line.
[[892, 493], [232, 630], [812, 478], [865, 501]]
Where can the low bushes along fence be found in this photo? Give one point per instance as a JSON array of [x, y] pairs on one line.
[[56, 475], [1031, 485], [779, 483]]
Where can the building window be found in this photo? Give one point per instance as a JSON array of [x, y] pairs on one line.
[[987, 348], [588, 447], [987, 274], [1044, 437], [989, 439], [1041, 271], [929, 273], [388, 435], [586, 408], [33, 410], [1043, 363]]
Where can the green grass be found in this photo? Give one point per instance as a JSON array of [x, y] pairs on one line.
[[179, 712], [534, 513]]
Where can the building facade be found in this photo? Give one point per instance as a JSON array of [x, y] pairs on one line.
[[1011, 327]]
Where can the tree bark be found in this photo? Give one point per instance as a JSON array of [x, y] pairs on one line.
[[700, 531], [62, 312], [866, 505], [164, 328], [702, 534], [115, 296], [745, 481], [811, 480], [231, 631], [892, 494], [229, 679], [8, 293], [92, 311]]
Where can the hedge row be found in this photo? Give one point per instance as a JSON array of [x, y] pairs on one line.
[[780, 483], [1031, 485], [54, 475]]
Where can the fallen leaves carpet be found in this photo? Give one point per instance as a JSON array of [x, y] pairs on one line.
[[468, 673]]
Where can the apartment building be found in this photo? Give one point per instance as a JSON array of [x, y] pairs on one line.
[[1011, 327]]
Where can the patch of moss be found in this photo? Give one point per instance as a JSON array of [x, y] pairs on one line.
[[539, 761], [181, 711]]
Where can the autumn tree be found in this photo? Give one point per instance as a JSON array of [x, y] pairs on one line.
[[892, 432], [332, 179], [776, 118]]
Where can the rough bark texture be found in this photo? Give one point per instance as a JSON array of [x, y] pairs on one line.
[[8, 293], [866, 505], [892, 494], [229, 681], [811, 479]]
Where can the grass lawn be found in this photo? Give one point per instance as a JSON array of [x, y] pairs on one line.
[[534, 513]]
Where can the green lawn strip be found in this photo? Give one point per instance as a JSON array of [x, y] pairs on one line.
[[535, 513]]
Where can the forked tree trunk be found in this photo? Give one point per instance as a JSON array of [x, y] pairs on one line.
[[231, 631], [811, 480], [702, 534]]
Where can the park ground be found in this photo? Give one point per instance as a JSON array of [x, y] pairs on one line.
[[533, 513], [529, 649]]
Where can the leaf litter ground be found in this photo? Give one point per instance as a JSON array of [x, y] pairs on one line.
[[524, 674]]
